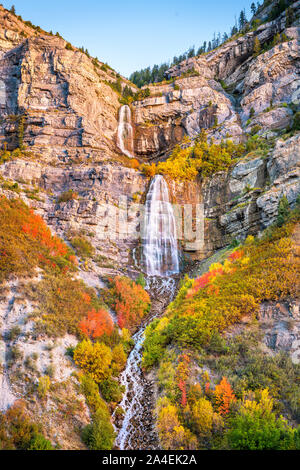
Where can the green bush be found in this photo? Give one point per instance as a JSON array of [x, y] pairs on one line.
[[99, 435], [283, 211], [91, 392], [67, 196], [38, 442], [256, 427], [111, 390], [296, 122], [82, 247]]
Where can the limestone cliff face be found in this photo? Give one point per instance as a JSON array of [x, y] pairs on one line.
[[69, 110], [71, 120], [245, 201], [250, 86]]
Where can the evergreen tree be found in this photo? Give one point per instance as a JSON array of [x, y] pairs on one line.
[[234, 30], [253, 8], [13, 10], [191, 52], [242, 19]]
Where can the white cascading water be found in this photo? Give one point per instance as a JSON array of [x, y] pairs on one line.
[[161, 260], [160, 249], [125, 131]]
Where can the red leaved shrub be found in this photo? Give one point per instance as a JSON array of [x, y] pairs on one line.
[[130, 301], [96, 323]]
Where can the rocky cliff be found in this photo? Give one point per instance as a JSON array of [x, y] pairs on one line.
[[70, 120]]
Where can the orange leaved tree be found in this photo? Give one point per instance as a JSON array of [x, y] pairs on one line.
[[224, 396], [130, 301], [96, 323]]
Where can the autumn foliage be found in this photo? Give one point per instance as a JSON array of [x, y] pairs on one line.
[[96, 323], [130, 301], [225, 405], [36, 229], [26, 242], [182, 375], [18, 432], [68, 302], [202, 158], [224, 396], [94, 359]]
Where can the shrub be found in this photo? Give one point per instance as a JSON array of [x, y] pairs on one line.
[[224, 396], [62, 302], [130, 301], [141, 280], [94, 359], [44, 386], [14, 333], [283, 211], [118, 359], [256, 427], [255, 129], [96, 324], [135, 164], [111, 390], [99, 435], [38, 442], [296, 122], [201, 158], [256, 46], [83, 247], [91, 392], [172, 435], [17, 431], [202, 416], [26, 242], [67, 196]]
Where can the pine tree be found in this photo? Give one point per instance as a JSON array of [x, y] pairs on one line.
[[242, 19], [225, 37], [253, 8], [13, 10]]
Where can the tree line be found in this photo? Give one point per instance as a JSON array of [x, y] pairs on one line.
[[157, 72]]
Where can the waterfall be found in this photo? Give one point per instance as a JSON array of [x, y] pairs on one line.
[[160, 250], [125, 131], [160, 258]]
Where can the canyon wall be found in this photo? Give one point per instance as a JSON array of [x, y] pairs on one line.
[[69, 125]]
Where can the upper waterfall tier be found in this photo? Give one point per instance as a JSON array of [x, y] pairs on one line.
[[160, 248], [125, 132]]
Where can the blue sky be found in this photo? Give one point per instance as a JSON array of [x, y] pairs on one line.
[[130, 35]]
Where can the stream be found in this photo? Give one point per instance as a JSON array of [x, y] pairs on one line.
[[137, 430]]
